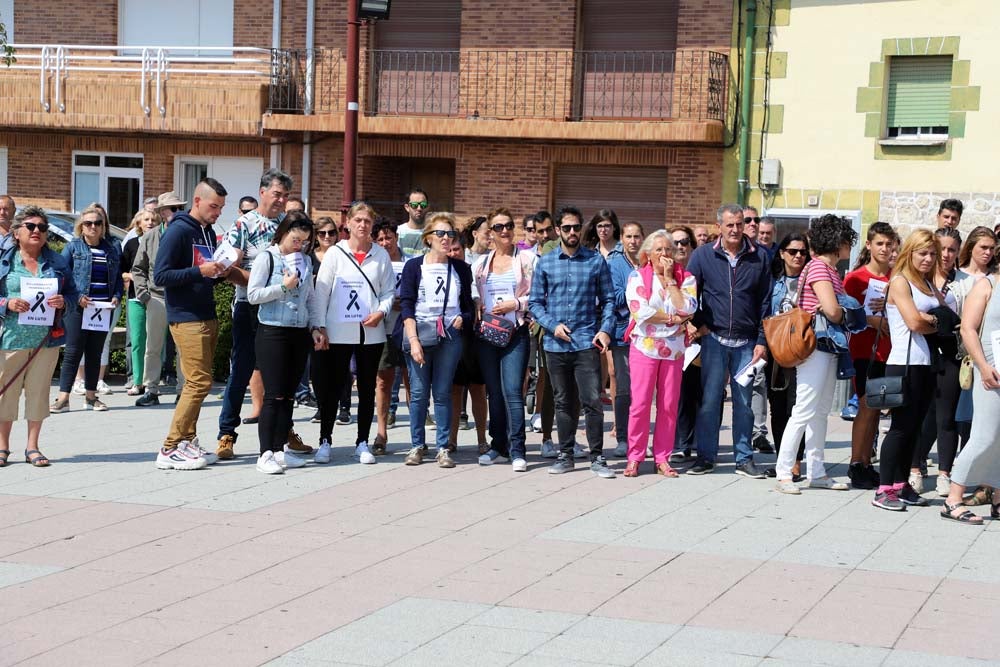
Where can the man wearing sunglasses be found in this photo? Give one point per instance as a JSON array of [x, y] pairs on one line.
[[416, 207], [572, 298], [734, 289]]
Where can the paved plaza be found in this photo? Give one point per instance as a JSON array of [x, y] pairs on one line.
[[105, 560]]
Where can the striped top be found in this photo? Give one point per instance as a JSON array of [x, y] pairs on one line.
[[100, 289], [817, 271]]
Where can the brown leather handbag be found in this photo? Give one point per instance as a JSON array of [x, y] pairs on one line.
[[790, 336]]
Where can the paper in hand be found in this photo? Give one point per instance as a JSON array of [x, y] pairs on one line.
[[225, 255], [97, 316], [36, 291], [876, 290]]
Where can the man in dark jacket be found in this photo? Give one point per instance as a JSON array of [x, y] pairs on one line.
[[185, 270], [734, 288]]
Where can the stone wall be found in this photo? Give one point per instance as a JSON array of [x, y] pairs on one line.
[[907, 211]]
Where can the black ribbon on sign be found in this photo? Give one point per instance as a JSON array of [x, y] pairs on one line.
[[440, 287], [39, 303], [97, 315], [353, 302]]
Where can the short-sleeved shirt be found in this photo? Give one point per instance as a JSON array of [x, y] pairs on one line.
[[856, 285], [816, 271], [251, 234], [410, 240]]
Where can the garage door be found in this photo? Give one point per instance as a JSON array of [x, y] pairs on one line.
[[636, 194]]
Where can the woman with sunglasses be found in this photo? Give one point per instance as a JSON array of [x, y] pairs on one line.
[[29, 258], [355, 289], [435, 291], [469, 386], [786, 268], [503, 284], [95, 262], [327, 235], [282, 288]]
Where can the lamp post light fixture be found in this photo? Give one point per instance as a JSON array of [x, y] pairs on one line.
[[374, 9]]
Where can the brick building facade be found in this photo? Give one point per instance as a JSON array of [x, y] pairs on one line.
[[586, 102]]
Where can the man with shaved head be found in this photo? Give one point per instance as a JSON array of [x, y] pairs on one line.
[[7, 208], [185, 270]]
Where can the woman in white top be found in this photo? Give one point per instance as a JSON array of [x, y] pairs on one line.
[[354, 289], [911, 296]]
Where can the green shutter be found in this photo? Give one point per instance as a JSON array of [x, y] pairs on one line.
[[919, 91]]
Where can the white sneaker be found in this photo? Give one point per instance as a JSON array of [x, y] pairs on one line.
[[490, 457], [943, 484], [579, 452], [268, 464], [279, 457], [536, 423], [519, 465], [827, 483], [363, 454], [292, 460], [917, 482], [103, 388], [210, 457], [78, 388], [181, 457], [324, 453], [549, 450]]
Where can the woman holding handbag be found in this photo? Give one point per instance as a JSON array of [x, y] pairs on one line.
[[662, 296], [435, 296], [830, 238], [28, 352], [503, 283], [911, 297]]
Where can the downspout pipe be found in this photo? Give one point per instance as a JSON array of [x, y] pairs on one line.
[[275, 45], [308, 110], [351, 111], [746, 102]]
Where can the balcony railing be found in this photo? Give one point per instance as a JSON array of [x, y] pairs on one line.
[[290, 85], [549, 84]]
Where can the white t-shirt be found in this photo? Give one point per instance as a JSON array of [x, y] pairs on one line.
[[920, 354], [500, 287], [431, 293]]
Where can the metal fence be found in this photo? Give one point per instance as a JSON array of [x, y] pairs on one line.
[[290, 73]]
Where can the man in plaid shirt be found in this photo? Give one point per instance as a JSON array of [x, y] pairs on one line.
[[572, 298]]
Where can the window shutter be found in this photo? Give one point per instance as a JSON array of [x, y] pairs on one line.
[[919, 91]]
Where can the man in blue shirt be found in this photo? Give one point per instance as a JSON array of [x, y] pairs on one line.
[[572, 299]]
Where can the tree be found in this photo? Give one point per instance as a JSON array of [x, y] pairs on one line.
[[6, 50]]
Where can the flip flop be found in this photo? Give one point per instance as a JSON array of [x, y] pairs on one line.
[[4, 455]]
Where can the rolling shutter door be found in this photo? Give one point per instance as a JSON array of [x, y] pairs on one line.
[[919, 91], [629, 25], [636, 194]]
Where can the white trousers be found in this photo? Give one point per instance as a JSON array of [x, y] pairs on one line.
[[815, 382]]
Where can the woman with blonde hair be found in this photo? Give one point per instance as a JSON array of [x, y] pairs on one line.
[[911, 296], [135, 310]]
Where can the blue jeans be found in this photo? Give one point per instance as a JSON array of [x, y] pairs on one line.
[[716, 361], [394, 395], [503, 370], [242, 361], [437, 374]]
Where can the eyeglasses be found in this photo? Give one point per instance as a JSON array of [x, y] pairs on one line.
[[242, 211], [529, 229], [604, 226], [794, 252], [500, 226], [42, 227], [417, 204], [327, 232], [571, 228], [441, 233], [682, 242], [92, 223], [747, 220]]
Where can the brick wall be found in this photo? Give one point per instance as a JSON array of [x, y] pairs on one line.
[[487, 24], [705, 24], [694, 185], [66, 22], [252, 23]]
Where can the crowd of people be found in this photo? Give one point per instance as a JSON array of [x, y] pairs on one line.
[[539, 322]]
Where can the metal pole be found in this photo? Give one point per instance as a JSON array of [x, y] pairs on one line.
[[351, 112], [276, 25], [310, 56], [746, 102]]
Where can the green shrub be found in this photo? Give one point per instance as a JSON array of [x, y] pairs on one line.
[[224, 312]]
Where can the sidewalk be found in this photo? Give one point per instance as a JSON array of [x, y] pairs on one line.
[[105, 560]]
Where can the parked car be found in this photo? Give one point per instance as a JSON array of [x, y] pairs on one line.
[[61, 226]]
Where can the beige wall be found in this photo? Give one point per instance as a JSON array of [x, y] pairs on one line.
[[830, 46]]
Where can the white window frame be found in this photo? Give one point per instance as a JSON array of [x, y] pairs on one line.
[[810, 213], [180, 161], [3, 170], [104, 173]]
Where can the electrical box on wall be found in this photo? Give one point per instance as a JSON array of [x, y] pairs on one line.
[[770, 173]]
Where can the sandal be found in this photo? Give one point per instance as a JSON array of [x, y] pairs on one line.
[[136, 390], [35, 458], [632, 469], [4, 455], [982, 496], [664, 469], [965, 517], [378, 446]]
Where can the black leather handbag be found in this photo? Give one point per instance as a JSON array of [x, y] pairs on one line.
[[890, 391]]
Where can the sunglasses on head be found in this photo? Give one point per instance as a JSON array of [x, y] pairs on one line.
[[441, 233], [92, 223], [571, 228], [747, 220], [796, 251], [682, 242], [42, 227], [500, 226], [417, 204]]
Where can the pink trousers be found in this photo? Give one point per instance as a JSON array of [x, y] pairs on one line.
[[664, 377]]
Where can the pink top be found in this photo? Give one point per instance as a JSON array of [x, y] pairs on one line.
[[817, 271]]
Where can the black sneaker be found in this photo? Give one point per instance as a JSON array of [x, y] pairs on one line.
[[148, 399], [316, 418], [873, 475], [911, 497], [563, 464], [860, 479], [306, 401], [700, 468], [763, 445], [749, 469], [344, 416]]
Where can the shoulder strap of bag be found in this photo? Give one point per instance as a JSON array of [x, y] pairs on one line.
[[270, 264], [360, 270], [31, 357], [447, 288]]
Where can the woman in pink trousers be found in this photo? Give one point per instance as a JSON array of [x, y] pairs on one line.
[[661, 296]]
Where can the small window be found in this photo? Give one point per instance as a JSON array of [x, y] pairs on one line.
[[87, 160], [919, 97], [123, 162]]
